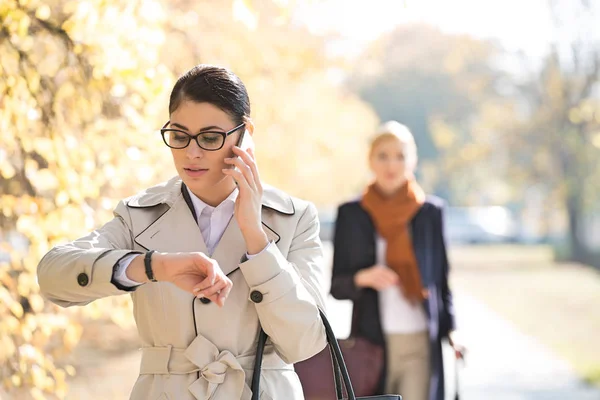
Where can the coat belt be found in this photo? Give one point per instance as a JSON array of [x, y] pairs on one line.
[[221, 372]]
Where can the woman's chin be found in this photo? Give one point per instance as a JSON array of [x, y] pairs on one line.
[[193, 183], [204, 182]]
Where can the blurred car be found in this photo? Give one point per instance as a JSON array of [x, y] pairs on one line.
[[471, 225], [462, 225], [327, 218]]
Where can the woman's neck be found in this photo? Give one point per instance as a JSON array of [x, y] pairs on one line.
[[389, 191], [217, 194]]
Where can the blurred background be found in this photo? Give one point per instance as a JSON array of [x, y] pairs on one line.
[[502, 97]]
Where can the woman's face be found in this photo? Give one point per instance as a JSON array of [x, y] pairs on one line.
[[388, 164], [201, 170]]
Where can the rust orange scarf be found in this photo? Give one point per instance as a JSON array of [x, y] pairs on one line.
[[391, 216]]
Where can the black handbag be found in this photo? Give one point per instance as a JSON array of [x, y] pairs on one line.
[[340, 372]]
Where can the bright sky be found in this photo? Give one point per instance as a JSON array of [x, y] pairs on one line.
[[517, 24]]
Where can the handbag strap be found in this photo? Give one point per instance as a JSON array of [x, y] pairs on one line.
[[262, 340], [337, 375], [340, 372], [456, 380]]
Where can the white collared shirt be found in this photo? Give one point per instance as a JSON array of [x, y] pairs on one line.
[[398, 315], [212, 222]]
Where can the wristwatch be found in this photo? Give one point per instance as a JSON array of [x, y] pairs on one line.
[[148, 266]]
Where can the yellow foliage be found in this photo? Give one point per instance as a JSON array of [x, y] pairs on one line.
[[84, 85]]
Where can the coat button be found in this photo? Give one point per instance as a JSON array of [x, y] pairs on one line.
[[83, 279], [204, 300], [256, 296]]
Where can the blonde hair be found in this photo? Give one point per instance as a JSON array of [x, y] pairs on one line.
[[395, 130]]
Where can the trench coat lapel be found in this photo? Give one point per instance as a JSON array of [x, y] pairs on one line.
[[174, 231]]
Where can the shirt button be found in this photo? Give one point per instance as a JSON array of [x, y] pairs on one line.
[[83, 279], [256, 296], [204, 300]]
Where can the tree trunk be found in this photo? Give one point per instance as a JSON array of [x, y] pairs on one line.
[[577, 248]]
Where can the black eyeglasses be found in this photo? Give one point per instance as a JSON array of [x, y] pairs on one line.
[[207, 140]]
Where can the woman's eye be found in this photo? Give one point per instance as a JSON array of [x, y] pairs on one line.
[[179, 138], [211, 138]]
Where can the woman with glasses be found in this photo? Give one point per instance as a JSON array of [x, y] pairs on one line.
[[209, 258], [390, 260]]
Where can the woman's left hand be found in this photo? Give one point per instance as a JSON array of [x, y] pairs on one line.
[[456, 341], [249, 202]]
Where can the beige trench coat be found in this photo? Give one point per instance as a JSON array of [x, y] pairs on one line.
[[192, 350]]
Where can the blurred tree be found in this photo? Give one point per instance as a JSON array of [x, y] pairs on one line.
[[556, 144], [437, 84], [309, 130], [83, 85], [78, 80]]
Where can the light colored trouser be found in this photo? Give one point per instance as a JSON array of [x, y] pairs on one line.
[[408, 371]]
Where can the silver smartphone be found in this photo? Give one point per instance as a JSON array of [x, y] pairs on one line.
[[245, 142]]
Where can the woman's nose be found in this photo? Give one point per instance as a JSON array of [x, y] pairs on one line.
[[193, 150]]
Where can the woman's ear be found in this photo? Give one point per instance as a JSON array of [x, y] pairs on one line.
[[250, 126]]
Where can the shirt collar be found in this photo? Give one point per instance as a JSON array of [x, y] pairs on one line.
[[199, 205]]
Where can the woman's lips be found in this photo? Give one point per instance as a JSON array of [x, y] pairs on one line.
[[195, 172]]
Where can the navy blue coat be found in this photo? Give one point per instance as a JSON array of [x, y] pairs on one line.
[[354, 249]]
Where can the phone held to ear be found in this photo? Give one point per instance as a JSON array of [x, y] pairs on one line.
[[245, 142]]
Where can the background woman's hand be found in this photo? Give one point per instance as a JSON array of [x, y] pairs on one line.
[[195, 273], [457, 343], [378, 277]]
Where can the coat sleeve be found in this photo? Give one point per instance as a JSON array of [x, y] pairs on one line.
[[447, 323], [287, 294], [342, 277], [80, 272]]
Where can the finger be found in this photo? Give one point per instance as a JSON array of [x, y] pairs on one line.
[[382, 283], [206, 265], [222, 295], [385, 285], [228, 284], [205, 284], [212, 290], [217, 299], [391, 282], [243, 167], [388, 275], [245, 163], [243, 154], [239, 178], [254, 167]]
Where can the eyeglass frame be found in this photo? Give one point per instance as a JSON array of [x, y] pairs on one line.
[[195, 137]]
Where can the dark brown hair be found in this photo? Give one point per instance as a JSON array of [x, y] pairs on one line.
[[215, 85]]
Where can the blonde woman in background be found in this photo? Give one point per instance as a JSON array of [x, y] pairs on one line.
[[390, 260]]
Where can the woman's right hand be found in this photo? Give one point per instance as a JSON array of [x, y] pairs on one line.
[[378, 277], [195, 273]]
